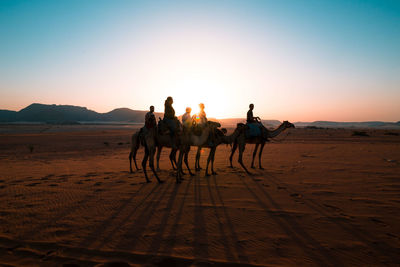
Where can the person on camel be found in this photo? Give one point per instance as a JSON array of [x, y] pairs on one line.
[[169, 118], [200, 120], [187, 119], [149, 122], [150, 119], [255, 125]]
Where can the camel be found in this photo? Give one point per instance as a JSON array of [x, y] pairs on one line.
[[148, 139], [241, 141], [220, 138], [186, 140], [135, 144], [162, 141]]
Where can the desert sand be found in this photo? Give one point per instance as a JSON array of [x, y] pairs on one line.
[[325, 198]]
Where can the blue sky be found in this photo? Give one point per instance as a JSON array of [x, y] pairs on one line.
[[297, 60]]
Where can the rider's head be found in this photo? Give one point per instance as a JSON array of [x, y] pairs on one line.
[[152, 108], [170, 100], [188, 110], [251, 106], [201, 106]]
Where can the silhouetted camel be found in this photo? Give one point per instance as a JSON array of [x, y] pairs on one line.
[[241, 141], [220, 137]]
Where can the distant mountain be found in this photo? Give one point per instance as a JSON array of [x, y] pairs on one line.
[[70, 114], [334, 124]]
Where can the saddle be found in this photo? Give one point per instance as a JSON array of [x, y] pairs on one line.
[[253, 130]]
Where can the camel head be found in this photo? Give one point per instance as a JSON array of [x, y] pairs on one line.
[[288, 124], [213, 124]]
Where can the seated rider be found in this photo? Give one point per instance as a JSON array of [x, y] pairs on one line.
[[250, 117], [169, 118], [256, 120], [200, 119], [187, 119], [201, 122], [150, 119]]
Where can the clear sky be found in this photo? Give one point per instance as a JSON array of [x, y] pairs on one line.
[[295, 60]]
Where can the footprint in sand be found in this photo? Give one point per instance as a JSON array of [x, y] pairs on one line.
[[332, 207], [90, 174], [32, 184], [376, 220]]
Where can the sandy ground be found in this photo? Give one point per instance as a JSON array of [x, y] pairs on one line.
[[325, 198]]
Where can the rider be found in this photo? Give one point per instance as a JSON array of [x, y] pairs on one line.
[[201, 121], [187, 119], [251, 120], [150, 119], [169, 118]]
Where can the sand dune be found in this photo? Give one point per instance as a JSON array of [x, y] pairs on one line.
[[325, 198]]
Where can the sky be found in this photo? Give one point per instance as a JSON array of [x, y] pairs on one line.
[[295, 60]]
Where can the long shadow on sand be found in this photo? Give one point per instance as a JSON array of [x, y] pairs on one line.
[[200, 230], [386, 251], [134, 234], [157, 239], [173, 233], [240, 250], [100, 229], [292, 228]]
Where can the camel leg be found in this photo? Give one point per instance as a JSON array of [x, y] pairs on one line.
[[151, 163], [254, 155], [179, 167], [130, 161], [172, 158], [240, 160], [212, 162], [233, 152], [159, 149], [208, 161], [144, 162], [134, 157], [187, 162], [197, 162], [259, 155]]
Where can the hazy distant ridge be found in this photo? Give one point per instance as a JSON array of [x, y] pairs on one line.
[[334, 124], [70, 114], [73, 114]]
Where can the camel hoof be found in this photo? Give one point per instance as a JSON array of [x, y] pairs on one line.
[[192, 174], [148, 181], [261, 168], [230, 167], [207, 174], [252, 167], [214, 173], [160, 181]]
